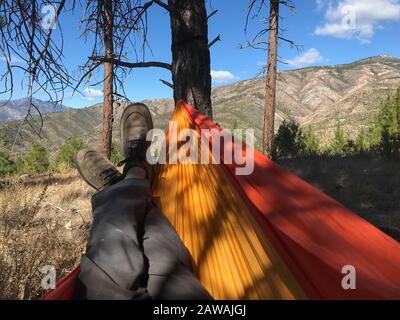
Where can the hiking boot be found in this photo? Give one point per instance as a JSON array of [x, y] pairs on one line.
[[96, 169], [135, 123]]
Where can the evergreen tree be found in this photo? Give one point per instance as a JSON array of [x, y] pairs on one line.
[[67, 152], [339, 142], [289, 140], [362, 142], [7, 165], [385, 134], [311, 142], [34, 161]]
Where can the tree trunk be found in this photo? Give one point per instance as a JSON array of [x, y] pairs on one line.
[[108, 116], [190, 54], [270, 88]]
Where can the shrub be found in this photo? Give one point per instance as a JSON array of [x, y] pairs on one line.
[[116, 154], [389, 144], [67, 152], [385, 134], [311, 142], [34, 161], [362, 143], [289, 141], [350, 148], [7, 165], [339, 144]]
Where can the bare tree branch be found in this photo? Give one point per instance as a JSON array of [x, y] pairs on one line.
[[168, 84], [212, 14], [218, 38], [133, 64], [162, 4], [27, 44], [130, 28], [254, 11]]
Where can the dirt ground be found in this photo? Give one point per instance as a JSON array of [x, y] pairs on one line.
[[367, 185]]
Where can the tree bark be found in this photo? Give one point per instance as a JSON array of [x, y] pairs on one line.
[[270, 87], [191, 72], [108, 116]]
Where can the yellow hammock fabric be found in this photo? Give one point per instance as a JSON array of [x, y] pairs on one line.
[[232, 257]]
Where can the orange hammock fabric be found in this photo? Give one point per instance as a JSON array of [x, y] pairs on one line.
[[267, 235]]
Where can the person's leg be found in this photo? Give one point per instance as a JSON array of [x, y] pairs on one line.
[[133, 251], [170, 273], [170, 263], [113, 266], [137, 248]]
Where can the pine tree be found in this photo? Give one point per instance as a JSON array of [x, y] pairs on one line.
[[7, 164], [275, 35], [67, 152], [34, 161], [270, 81], [289, 140], [108, 109], [385, 134], [311, 142], [362, 143], [339, 142]]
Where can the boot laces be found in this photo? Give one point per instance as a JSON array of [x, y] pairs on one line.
[[135, 151], [108, 173]]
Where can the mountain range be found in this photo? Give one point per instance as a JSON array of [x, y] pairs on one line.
[[17, 109], [349, 94]]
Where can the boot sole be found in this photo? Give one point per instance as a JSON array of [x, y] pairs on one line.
[[132, 108], [83, 176]]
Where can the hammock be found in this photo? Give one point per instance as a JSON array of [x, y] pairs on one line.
[[267, 235]]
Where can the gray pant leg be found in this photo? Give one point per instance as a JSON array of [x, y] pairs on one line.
[[115, 265], [170, 263]]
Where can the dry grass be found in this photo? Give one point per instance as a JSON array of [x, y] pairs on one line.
[[43, 221]]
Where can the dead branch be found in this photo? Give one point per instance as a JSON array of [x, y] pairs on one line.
[[168, 84], [162, 4], [218, 38], [212, 14], [255, 9], [28, 46], [133, 64]]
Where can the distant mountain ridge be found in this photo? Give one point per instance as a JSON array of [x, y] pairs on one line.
[[350, 94], [18, 108]]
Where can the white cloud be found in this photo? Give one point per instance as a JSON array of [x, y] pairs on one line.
[[92, 94], [348, 19], [222, 76], [305, 59]]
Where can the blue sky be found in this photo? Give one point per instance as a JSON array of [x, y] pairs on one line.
[[329, 32]]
